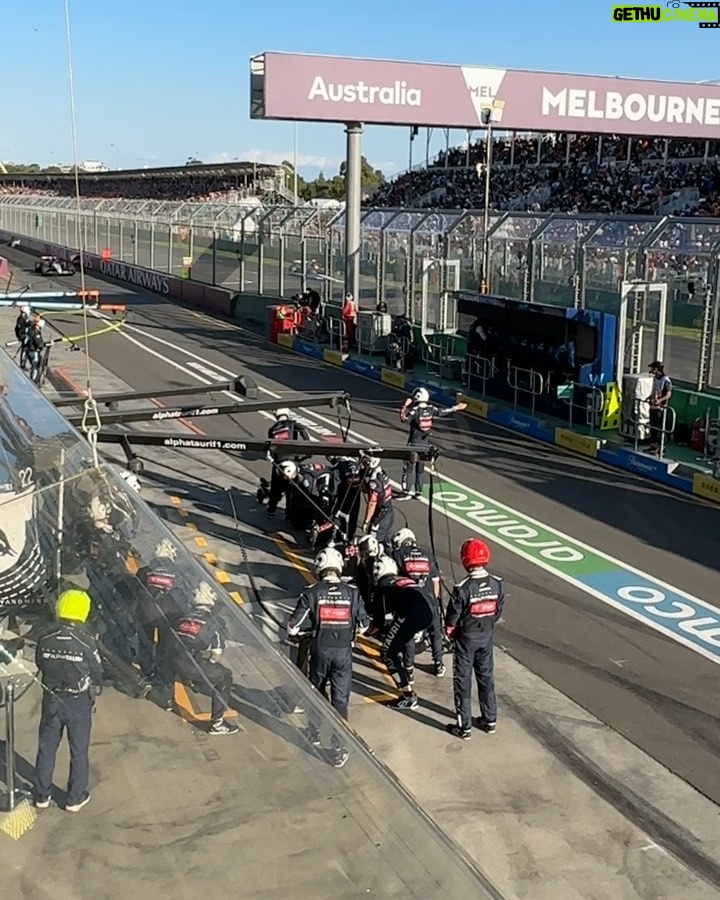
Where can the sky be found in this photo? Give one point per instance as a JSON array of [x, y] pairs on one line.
[[158, 81]]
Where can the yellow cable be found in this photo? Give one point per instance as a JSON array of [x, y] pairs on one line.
[[88, 334]]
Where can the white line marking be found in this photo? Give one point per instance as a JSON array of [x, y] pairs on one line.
[[359, 438]]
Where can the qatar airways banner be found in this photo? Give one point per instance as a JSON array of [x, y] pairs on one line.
[[380, 92]]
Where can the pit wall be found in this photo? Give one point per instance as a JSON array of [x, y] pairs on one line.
[[179, 290], [229, 304]]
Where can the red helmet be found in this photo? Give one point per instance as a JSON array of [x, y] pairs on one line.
[[474, 553]]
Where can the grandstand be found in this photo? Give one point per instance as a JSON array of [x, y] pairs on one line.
[[220, 183], [581, 173], [568, 173]]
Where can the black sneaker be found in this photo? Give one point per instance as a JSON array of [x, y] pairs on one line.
[[440, 670], [223, 727], [407, 701], [487, 727], [78, 805], [339, 758], [456, 731], [313, 736], [41, 802]]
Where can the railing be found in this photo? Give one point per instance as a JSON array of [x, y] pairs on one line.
[[525, 381], [555, 259]]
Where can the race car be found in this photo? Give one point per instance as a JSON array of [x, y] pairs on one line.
[[53, 265]]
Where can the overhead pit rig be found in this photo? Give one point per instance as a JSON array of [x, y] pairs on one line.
[[243, 385]]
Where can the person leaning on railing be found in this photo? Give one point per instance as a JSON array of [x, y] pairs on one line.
[[659, 400]]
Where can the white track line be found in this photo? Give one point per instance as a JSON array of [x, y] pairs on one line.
[[513, 548]]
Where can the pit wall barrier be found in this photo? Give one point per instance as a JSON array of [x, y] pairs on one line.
[[180, 290], [597, 448], [221, 301]]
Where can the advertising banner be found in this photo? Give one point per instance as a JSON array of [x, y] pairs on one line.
[[384, 92], [193, 293]]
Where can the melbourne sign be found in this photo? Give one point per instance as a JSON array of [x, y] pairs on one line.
[[334, 89]]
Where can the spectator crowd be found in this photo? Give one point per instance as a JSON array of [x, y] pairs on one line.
[[220, 188], [608, 175], [552, 173]]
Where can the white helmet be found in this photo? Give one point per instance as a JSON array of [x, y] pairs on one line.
[[282, 413], [372, 464], [421, 395], [165, 549], [329, 560], [289, 469], [131, 479], [204, 596], [404, 536], [368, 547], [384, 566]]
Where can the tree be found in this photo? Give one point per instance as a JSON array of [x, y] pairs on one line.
[[333, 188]]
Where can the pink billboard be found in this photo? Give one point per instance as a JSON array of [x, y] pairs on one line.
[[382, 92]]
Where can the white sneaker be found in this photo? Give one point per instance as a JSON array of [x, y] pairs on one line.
[[76, 807], [223, 727]]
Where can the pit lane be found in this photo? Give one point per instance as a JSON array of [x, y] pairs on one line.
[[655, 693]]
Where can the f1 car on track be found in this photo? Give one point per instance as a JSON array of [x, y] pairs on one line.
[[53, 265]]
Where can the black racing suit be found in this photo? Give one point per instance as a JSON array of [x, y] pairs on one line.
[[306, 503], [347, 490], [379, 491], [197, 643], [421, 417], [284, 430], [158, 607], [413, 611], [331, 610], [69, 662], [475, 606], [413, 562], [34, 344]]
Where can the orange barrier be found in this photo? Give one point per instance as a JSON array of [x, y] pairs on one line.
[[113, 307], [89, 295]]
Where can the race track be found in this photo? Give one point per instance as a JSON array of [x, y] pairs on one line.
[[659, 694]]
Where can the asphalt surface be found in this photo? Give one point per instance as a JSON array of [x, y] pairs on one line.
[[656, 693], [681, 352]]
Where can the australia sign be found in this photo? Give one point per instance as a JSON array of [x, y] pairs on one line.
[[383, 92]]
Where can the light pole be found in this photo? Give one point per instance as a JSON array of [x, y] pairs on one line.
[[295, 165], [486, 121]]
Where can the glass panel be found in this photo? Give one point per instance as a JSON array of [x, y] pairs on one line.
[[376, 218], [622, 233], [555, 259], [508, 249], [406, 221], [567, 229], [465, 243], [74, 526], [680, 256], [438, 223], [612, 256]]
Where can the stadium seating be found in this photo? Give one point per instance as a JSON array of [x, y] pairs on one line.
[[638, 177]]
